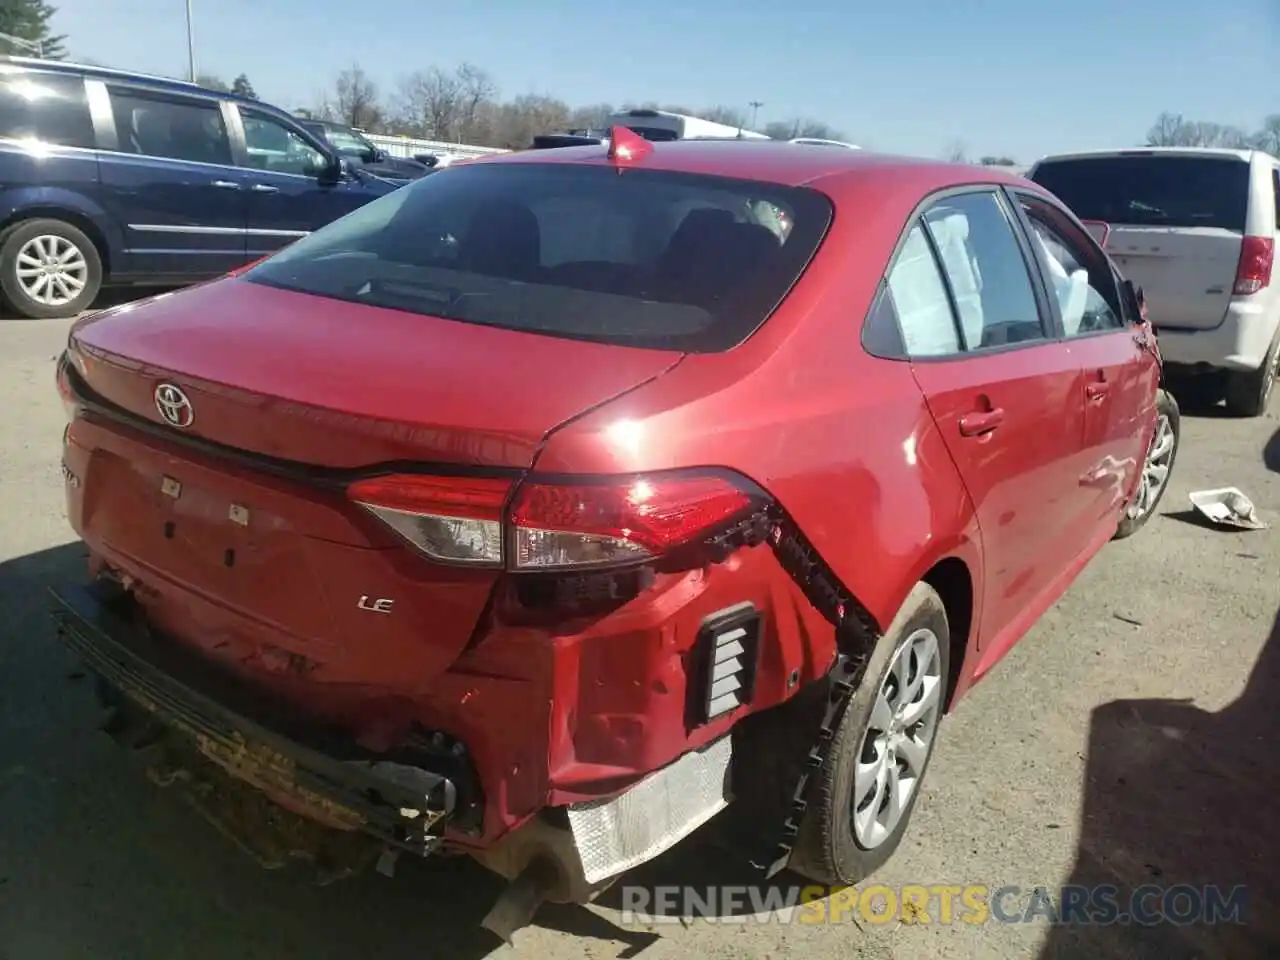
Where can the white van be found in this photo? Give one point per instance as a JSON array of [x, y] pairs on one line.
[[1196, 228]]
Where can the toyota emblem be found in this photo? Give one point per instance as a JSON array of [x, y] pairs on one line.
[[174, 406]]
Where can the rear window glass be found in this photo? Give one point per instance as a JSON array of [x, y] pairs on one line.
[[1157, 191], [643, 258]]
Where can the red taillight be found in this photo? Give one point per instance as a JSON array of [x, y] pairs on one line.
[[559, 526], [550, 525], [1257, 254]]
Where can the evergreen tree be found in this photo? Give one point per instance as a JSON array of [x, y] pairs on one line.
[[241, 85], [29, 20]]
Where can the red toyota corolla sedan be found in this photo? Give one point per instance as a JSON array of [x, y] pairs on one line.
[[546, 508]]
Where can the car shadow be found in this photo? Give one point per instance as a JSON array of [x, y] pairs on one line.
[[152, 879], [1177, 795], [1271, 453]]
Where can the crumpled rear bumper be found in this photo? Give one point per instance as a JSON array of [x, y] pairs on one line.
[[332, 781]]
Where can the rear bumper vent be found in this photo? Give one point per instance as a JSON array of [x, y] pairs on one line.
[[726, 650]]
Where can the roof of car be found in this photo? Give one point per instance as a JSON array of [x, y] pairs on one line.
[[110, 73], [1150, 151], [789, 164]]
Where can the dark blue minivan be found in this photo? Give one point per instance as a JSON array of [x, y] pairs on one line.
[[109, 177]]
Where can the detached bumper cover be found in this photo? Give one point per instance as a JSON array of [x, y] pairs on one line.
[[404, 805]]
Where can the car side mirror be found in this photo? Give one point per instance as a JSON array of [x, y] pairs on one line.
[[332, 168]]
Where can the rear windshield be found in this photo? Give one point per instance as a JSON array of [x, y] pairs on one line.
[[1156, 191], [642, 258]]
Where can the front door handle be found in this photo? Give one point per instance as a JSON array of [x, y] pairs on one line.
[[264, 188], [1096, 391], [226, 185], [982, 422]]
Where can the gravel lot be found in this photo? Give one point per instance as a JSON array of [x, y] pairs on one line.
[[1126, 740]]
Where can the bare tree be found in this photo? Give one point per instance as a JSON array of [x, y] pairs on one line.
[[1268, 138], [1169, 130], [357, 99], [518, 122], [475, 89], [801, 127], [956, 152], [590, 117], [729, 116], [431, 100]]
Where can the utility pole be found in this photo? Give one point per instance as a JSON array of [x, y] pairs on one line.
[[191, 46], [754, 105]]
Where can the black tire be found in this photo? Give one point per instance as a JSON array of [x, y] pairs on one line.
[[1249, 393], [15, 238], [1166, 406], [827, 850]]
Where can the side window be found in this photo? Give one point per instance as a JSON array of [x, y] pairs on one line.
[[986, 269], [1086, 293], [920, 300], [51, 108], [157, 125], [275, 148]]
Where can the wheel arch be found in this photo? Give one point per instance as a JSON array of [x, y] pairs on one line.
[[81, 221], [951, 578]]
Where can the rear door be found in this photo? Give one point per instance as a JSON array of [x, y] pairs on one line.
[[286, 197], [1120, 370], [1177, 221], [1006, 397], [168, 179]]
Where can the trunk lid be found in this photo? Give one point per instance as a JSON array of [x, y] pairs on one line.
[[281, 579], [334, 384]]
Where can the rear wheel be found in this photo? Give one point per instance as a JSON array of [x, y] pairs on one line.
[[49, 269], [1248, 393], [868, 786], [1156, 468]]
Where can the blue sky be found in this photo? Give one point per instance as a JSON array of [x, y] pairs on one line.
[[1015, 77]]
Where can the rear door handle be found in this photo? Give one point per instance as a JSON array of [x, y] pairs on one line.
[[226, 185], [264, 188], [1096, 391], [976, 424]]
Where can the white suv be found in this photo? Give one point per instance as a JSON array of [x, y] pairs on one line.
[[1196, 228]]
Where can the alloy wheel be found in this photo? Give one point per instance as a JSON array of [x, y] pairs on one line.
[[52, 270], [899, 738], [1155, 469]]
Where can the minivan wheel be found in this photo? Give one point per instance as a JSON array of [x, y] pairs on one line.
[[867, 788], [49, 269], [1248, 393], [1156, 467]]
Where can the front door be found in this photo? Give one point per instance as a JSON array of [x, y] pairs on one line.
[[1006, 396], [287, 198], [169, 181], [1120, 371]]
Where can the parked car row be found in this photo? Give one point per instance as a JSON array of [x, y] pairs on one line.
[[114, 178], [640, 486], [357, 148]]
